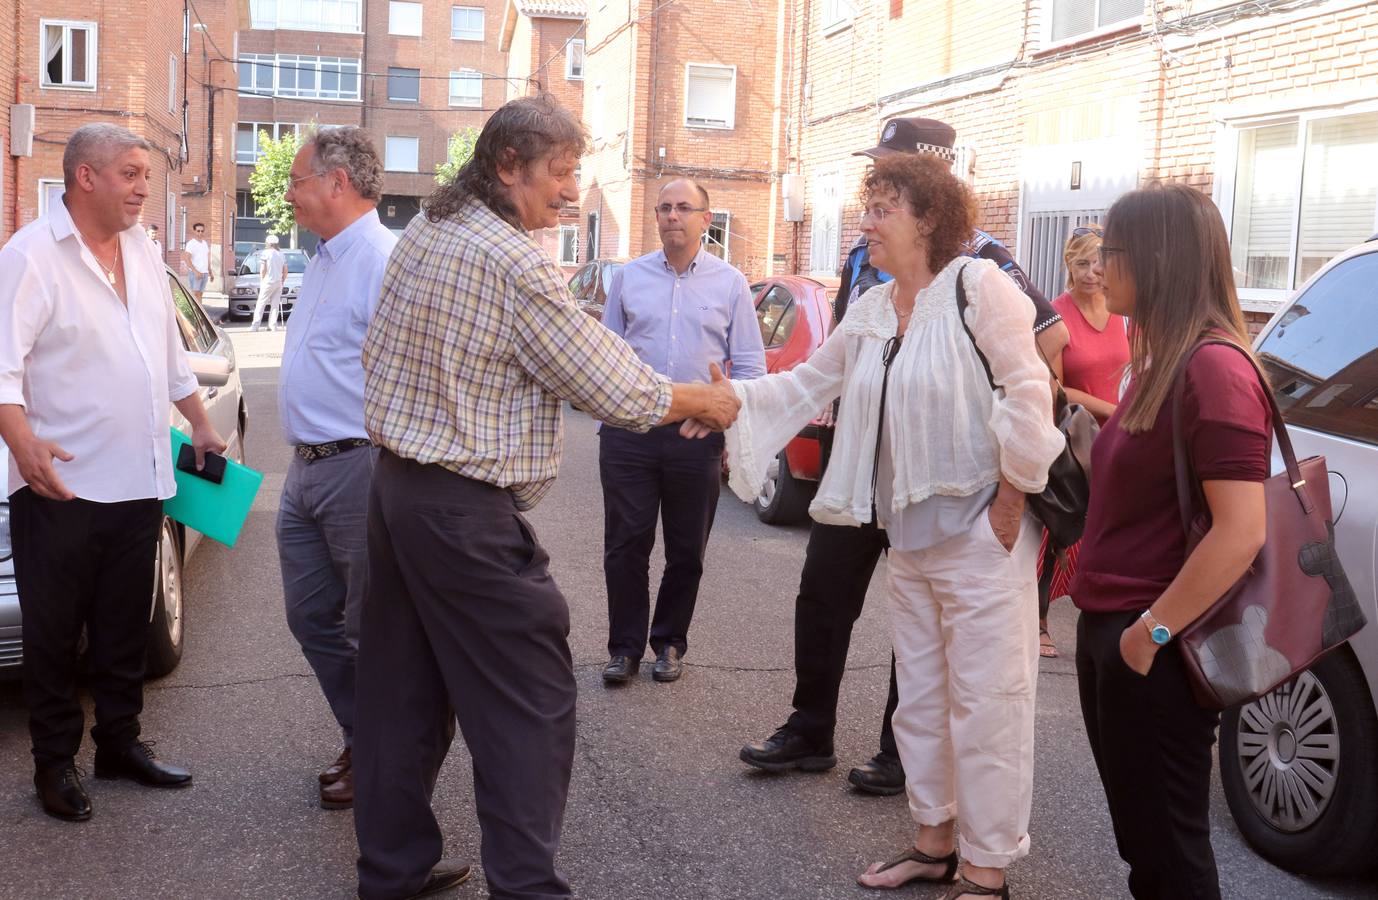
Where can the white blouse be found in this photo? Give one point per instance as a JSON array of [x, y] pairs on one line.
[[947, 432]]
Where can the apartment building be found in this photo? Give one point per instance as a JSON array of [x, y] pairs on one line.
[[1062, 105], [412, 72], [684, 89], [71, 63]]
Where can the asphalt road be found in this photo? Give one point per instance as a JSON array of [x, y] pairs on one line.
[[659, 806]]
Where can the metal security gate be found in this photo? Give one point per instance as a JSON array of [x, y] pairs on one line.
[[1046, 233]]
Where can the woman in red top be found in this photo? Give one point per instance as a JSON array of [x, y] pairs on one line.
[[1091, 369], [1166, 265]]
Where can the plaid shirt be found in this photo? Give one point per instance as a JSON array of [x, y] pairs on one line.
[[474, 343]]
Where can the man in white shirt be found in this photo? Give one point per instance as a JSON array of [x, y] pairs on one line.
[[90, 357], [272, 274], [197, 255], [336, 183], [153, 236]]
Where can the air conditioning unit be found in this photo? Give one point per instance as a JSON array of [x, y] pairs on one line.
[[792, 196], [21, 129]]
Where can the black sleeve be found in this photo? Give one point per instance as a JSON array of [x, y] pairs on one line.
[[1044, 314]]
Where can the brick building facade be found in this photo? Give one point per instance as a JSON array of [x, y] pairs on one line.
[[173, 85], [1062, 105], [412, 73]]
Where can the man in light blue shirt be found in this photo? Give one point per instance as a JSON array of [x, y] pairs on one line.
[[680, 308], [337, 180]]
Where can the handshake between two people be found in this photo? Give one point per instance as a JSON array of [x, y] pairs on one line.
[[707, 407]]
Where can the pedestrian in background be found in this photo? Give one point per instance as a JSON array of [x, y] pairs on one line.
[[1165, 264], [91, 355], [272, 275], [926, 450], [475, 343], [680, 308], [196, 253], [157, 244], [336, 183]]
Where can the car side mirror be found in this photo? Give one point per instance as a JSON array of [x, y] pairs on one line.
[[210, 370]]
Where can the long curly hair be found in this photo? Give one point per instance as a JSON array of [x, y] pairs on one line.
[[926, 184], [519, 133]]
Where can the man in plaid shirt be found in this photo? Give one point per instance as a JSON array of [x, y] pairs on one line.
[[474, 344]]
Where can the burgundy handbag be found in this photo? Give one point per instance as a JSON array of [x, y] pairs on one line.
[[1293, 603]]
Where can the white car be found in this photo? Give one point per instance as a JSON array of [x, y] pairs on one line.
[[213, 360], [1300, 765]]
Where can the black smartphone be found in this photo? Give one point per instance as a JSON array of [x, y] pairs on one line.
[[213, 470]]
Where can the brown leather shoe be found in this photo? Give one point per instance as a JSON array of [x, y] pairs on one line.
[[337, 768], [340, 793]]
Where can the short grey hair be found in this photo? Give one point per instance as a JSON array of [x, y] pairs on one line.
[[350, 148], [95, 145]]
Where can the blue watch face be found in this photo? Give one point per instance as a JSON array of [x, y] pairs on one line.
[[1160, 634]]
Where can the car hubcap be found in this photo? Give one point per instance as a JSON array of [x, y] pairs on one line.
[[1289, 752], [170, 577], [771, 484]]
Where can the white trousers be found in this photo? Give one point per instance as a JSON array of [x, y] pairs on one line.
[[271, 294], [965, 620]]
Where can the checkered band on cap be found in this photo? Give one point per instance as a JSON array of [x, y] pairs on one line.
[[947, 153]]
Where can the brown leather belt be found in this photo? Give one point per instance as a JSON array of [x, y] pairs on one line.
[[309, 452]]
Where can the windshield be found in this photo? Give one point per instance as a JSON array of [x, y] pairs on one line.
[[296, 262]]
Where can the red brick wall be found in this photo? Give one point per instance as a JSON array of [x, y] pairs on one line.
[[9, 52]]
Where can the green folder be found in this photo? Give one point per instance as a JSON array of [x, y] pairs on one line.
[[216, 510]]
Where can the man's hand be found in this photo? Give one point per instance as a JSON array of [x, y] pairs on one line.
[[721, 406], [204, 439], [1005, 513], [35, 460]]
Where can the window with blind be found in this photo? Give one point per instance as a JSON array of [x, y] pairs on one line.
[[826, 225], [1076, 17], [710, 96], [1304, 191]]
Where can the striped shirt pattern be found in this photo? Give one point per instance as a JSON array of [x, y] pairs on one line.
[[474, 343]]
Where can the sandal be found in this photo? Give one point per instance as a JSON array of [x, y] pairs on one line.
[[1046, 648], [918, 856], [963, 887]]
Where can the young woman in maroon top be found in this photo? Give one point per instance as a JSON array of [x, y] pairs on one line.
[[1165, 263], [1091, 369]]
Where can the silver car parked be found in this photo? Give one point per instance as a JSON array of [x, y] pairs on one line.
[[212, 358], [1300, 765], [243, 283]]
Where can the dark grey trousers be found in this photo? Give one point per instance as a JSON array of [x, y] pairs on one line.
[[322, 545], [461, 618]]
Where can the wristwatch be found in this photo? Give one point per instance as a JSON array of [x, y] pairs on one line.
[[1157, 631]]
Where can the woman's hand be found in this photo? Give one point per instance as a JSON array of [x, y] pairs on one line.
[[1137, 648], [1006, 513]]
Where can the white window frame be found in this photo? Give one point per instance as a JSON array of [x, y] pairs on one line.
[[45, 186], [172, 82], [321, 65], [1268, 300], [827, 181], [1049, 42], [404, 16], [731, 121], [92, 56], [565, 230], [416, 78], [836, 15], [726, 232], [307, 15], [570, 74], [467, 34], [466, 75], [388, 165], [274, 128]]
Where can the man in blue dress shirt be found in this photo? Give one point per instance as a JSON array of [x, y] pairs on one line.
[[337, 180], [680, 308]]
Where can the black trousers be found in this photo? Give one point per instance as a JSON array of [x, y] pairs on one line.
[[1152, 745], [645, 476], [460, 618], [838, 566], [79, 563]]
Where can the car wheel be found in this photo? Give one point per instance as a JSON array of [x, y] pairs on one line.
[[1300, 770], [783, 499], [165, 636]]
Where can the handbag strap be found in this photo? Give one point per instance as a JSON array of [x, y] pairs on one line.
[[1188, 487]]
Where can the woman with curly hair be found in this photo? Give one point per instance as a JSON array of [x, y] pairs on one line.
[[928, 451]]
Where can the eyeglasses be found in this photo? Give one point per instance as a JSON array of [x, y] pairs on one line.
[[1105, 252], [1092, 229], [292, 182], [683, 209], [878, 213]]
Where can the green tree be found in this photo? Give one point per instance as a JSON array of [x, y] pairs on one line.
[[270, 179], [457, 152]]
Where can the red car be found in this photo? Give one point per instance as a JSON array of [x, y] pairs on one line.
[[795, 318]]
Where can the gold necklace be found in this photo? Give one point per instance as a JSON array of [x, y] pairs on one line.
[[109, 272]]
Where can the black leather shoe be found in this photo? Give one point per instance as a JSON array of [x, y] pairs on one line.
[[137, 762], [444, 875], [668, 666], [883, 775], [788, 749], [61, 793], [620, 670]]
